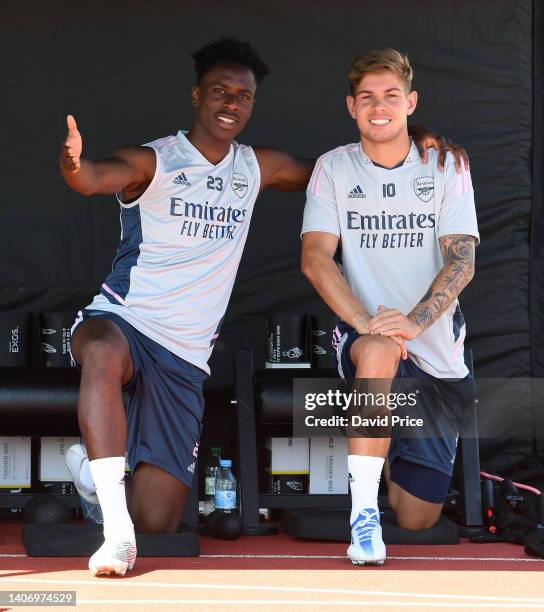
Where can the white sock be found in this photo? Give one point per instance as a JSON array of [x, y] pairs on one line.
[[365, 473], [108, 475], [86, 478]]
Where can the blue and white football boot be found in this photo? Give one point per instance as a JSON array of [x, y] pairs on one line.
[[367, 547]]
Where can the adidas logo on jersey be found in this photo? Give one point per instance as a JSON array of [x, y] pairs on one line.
[[356, 192], [181, 179]]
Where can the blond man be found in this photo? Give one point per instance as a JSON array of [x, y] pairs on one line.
[[408, 234]]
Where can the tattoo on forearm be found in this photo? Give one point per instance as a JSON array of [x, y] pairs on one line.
[[427, 295], [458, 254]]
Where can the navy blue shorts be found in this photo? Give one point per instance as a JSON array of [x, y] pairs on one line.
[[423, 466], [164, 403]]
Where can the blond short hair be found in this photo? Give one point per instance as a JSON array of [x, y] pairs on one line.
[[377, 61]]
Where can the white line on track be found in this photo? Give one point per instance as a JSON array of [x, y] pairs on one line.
[[411, 558], [259, 588], [529, 559]]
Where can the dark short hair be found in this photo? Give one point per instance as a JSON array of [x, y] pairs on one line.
[[229, 51]]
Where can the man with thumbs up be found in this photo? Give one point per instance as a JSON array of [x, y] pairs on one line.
[[186, 202]]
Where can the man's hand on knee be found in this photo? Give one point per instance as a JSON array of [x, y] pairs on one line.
[[393, 323]]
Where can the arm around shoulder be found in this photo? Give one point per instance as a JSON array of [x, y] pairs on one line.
[[282, 171]]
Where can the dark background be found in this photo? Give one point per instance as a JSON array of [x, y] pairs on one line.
[[124, 70]]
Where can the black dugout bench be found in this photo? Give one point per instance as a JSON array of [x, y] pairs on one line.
[[43, 402]]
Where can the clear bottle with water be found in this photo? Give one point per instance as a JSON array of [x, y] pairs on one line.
[[212, 470], [225, 487]]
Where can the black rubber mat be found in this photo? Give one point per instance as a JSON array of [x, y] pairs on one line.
[[333, 524], [82, 540]]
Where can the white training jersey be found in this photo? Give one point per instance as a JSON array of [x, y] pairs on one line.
[[181, 244], [389, 222]]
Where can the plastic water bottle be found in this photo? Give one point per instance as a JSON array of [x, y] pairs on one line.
[[212, 470], [225, 487]]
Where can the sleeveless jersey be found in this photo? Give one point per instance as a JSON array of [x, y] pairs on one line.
[[389, 222], [181, 244]]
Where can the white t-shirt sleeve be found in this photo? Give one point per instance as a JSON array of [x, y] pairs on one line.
[[321, 211], [457, 211]]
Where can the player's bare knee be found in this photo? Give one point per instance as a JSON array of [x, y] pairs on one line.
[[377, 356], [416, 522], [151, 523]]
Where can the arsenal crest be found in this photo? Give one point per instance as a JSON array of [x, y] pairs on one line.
[[239, 184], [424, 188]]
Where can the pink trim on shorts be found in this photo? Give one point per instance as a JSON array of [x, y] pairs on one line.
[[111, 292]]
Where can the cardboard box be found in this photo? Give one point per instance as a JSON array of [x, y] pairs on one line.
[[53, 466], [15, 457], [329, 465], [288, 455], [288, 463]]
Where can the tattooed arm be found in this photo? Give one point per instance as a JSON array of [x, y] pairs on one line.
[[457, 272]]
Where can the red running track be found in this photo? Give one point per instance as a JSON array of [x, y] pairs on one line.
[[281, 552]]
